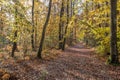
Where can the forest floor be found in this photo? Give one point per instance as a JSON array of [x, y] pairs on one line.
[[75, 63]]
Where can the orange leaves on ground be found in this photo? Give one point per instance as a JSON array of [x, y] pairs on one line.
[[27, 58], [50, 54], [6, 76]]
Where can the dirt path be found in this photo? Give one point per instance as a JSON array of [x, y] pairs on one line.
[[76, 63]]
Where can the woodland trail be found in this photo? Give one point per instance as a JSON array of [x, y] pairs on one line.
[[79, 63], [75, 63]]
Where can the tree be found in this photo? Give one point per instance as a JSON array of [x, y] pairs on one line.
[[1, 20], [61, 24], [113, 43], [44, 30], [32, 36], [63, 47], [15, 33]]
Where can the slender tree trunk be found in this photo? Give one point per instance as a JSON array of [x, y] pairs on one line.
[[1, 20], [32, 36], [75, 33], [71, 6], [73, 29], [64, 42], [61, 25], [43, 32], [36, 31], [86, 14], [75, 21], [15, 34], [114, 52]]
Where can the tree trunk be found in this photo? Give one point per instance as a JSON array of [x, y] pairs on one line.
[[1, 21], [64, 42], [113, 43], [71, 30], [43, 32], [71, 8], [15, 34], [32, 36], [36, 31], [61, 25]]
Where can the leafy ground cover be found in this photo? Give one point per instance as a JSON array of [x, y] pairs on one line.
[[75, 63]]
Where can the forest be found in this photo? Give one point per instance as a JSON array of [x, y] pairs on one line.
[[59, 40]]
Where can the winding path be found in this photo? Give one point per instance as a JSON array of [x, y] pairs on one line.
[[79, 63]]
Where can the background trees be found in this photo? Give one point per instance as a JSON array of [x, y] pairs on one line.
[[97, 26], [71, 21]]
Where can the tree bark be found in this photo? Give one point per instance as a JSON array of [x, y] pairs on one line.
[[71, 6], [43, 32], [32, 36], [113, 43], [64, 42], [15, 34], [1, 20], [61, 25]]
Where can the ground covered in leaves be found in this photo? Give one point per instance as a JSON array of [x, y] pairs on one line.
[[75, 63]]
